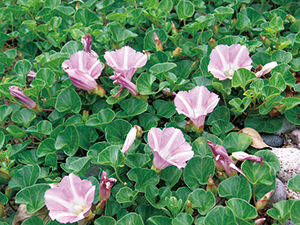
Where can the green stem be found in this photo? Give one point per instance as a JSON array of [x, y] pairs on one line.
[[253, 193], [224, 99], [199, 38], [118, 177]]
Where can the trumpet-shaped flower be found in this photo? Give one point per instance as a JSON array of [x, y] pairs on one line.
[[71, 200], [105, 186], [196, 104], [266, 69], [83, 69], [87, 42], [224, 60], [125, 62], [223, 160], [18, 94], [242, 156], [169, 148]]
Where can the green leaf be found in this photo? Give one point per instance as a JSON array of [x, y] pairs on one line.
[[220, 215], [242, 77], [112, 207], [158, 197], [278, 81], [222, 13], [242, 209], [44, 127], [164, 109], [126, 195], [159, 220], [202, 201], [143, 178], [234, 142], [111, 156], [265, 124], [68, 100], [293, 115], [32, 197], [294, 183], [235, 187], [184, 9], [22, 68], [149, 43], [3, 199], [198, 170], [270, 158], [221, 112], [290, 102], [68, 140], [121, 35], [295, 212], [23, 116], [281, 211], [77, 165], [16, 131], [146, 84], [46, 147], [24, 177], [147, 121], [131, 218], [46, 75], [5, 111], [2, 139], [162, 67], [257, 173], [221, 127], [170, 175], [117, 131], [107, 220], [33, 220], [183, 218], [137, 160], [282, 56], [201, 148], [88, 135], [132, 107]]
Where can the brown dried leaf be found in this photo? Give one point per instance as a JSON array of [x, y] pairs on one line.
[[257, 141], [22, 214]]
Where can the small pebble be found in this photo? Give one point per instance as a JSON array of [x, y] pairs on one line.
[[286, 126], [272, 140], [295, 136], [279, 194]]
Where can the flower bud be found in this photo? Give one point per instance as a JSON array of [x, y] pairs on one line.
[[158, 43], [221, 175], [212, 43], [8, 193], [177, 52], [18, 94], [105, 186], [85, 115], [242, 156], [290, 18], [215, 29], [234, 23], [1, 210], [130, 139], [267, 42], [4, 176], [174, 29], [167, 92], [139, 132], [189, 207], [211, 186], [260, 221], [261, 203]]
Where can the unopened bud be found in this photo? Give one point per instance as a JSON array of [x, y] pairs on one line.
[[215, 29], [167, 92], [290, 18], [188, 126], [212, 43], [174, 29], [234, 23], [100, 207], [211, 186], [8, 193], [189, 207], [85, 115], [4, 176], [243, 7], [1, 210], [221, 175], [158, 43], [139, 132], [177, 52], [260, 221], [261, 203], [267, 42]]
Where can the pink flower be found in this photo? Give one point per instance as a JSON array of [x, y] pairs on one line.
[[196, 104], [224, 60], [105, 186], [31, 75], [83, 69], [87, 42], [125, 62], [18, 94], [71, 200], [223, 160], [242, 156], [169, 148], [129, 139], [266, 69]]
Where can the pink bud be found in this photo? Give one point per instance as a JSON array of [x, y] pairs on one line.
[[31, 75], [177, 52], [266, 69], [260, 221], [242, 156], [261, 203], [158, 43], [129, 139], [18, 94], [105, 186], [87, 42]]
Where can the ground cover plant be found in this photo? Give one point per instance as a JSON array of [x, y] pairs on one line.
[[145, 111]]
